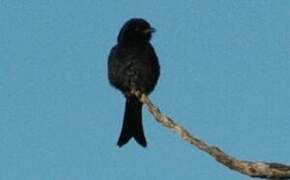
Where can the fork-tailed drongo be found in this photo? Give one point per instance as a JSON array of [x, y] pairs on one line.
[[133, 65]]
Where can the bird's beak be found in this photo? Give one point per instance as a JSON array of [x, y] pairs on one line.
[[149, 30]]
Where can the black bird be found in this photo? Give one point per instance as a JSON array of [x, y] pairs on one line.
[[133, 65]]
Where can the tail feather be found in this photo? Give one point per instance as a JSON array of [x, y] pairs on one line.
[[132, 123]]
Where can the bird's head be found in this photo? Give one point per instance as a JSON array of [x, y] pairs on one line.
[[135, 29]]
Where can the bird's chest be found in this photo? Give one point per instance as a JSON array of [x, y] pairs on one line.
[[132, 60], [133, 66], [136, 54]]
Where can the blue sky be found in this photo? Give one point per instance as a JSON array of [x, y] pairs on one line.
[[225, 77]]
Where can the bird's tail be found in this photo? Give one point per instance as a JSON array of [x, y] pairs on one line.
[[132, 124]]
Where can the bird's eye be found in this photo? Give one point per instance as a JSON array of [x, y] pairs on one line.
[[137, 29]]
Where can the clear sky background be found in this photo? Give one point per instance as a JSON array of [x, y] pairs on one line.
[[225, 77]]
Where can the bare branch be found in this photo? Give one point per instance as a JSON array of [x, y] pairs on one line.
[[265, 170]]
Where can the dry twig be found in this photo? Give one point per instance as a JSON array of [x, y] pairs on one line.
[[265, 170]]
